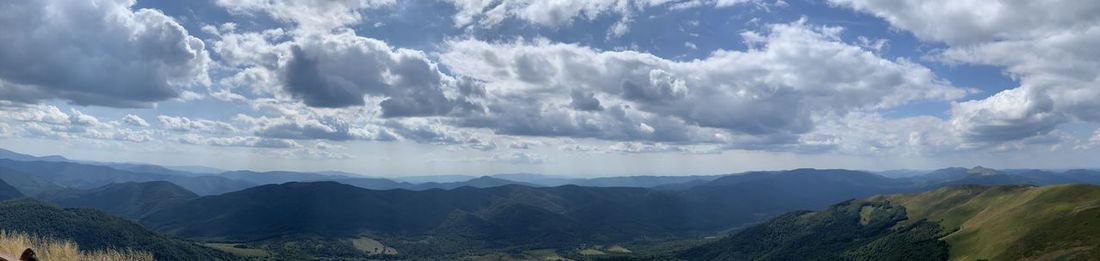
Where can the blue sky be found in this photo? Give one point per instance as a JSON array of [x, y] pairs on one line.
[[586, 88]]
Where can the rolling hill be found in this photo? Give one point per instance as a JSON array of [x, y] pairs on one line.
[[970, 222], [96, 230], [337, 210], [756, 196], [130, 199], [986, 176], [1057, 222], [8, 192], [852, 230], [27, 183]]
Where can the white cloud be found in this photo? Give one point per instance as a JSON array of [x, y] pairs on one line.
[[978, 21], [6, 131], [340, 69], [237, 141], [327, 146], [518, 158], [1049, 46], [96, 52], [873, 134], [48, 121], [1009, 115], [309, 15], [640, 147], [771, 91], [135, 120], [186, 124], [554, 14], [311, 154], [304, 128], [186, 96]]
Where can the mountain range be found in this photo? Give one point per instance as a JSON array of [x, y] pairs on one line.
[[129, 199], [338, 214]]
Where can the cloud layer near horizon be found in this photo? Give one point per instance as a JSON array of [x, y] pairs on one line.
[[301, 79]]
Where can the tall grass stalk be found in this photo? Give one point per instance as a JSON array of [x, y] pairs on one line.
[[48, 249]]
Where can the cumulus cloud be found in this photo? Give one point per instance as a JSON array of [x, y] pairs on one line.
[[48, 121], [306, 14], [1009, 115], [519, 158], [295, 121], [976, 21], [338, 70], [341, 69], [97, 52], [305, 128], [557, 13], [308, 153], [523, 145], [185, 124], [1047, 45], [873, 134], [774, 90], [649, 147], [135, 120], [432, 131], [238, 141]]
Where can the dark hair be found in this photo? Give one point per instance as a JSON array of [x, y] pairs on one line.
[[28, 255]]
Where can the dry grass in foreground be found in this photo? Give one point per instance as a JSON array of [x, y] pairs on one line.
[[13, 244]]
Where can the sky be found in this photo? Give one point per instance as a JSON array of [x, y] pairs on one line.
[[565, 87]]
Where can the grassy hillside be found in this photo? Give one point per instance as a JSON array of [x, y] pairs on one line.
[[853, 230], [50, 249], [1014, 222], [1060, 222], [95, 230], [724, 200]]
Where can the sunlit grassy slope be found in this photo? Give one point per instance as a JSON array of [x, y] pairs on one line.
[[1012, 222], [47, 249], [1019, 222]]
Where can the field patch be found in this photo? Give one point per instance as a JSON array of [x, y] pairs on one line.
[[372, 247], [237, 250]]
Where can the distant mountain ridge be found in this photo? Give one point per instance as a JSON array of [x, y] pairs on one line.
[[7, 154], [76, 175], [611, 213]]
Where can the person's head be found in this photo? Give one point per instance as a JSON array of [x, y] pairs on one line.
[[28, 255]]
